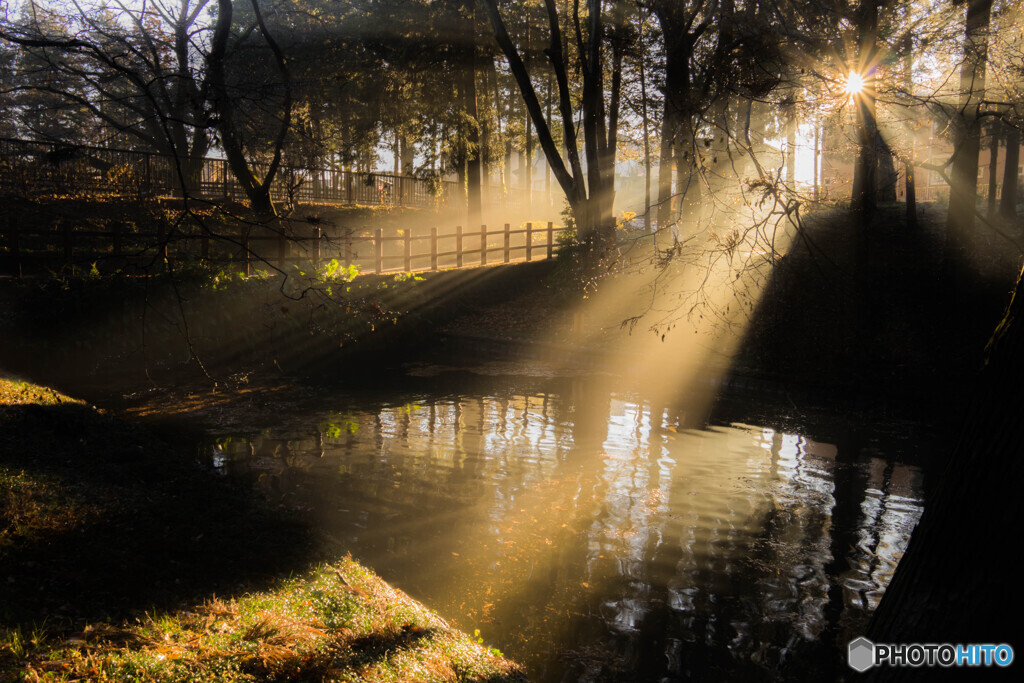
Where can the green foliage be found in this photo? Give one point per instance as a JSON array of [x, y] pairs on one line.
[[333, 271]]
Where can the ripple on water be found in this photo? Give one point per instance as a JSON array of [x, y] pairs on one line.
[[569, 523]]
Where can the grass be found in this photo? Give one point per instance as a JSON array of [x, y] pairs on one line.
[[338, 623], [113, 546]]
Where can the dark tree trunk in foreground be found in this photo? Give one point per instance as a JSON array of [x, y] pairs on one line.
[[959, 581], [1008, 201]]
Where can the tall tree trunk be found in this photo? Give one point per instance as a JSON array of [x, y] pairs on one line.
[[407, 155], [528, 167], [396, 154], [647, 147], [791, 126], [908, 161], [688, 176], [474, 165], [257, 191], [993, 168], [817, 154], [963, 194], [886, 175], [665, 167], [547, 164], [864, 199], [1008, 200]]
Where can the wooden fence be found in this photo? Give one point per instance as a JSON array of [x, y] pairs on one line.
[[65, 245]]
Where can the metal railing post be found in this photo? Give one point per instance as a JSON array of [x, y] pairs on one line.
[[529, 241], [458, 246], [508, 239], [483, 245]]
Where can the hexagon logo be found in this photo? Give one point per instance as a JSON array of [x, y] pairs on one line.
[[861, 654]]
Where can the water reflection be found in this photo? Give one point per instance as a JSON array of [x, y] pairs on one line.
[[594, 536]]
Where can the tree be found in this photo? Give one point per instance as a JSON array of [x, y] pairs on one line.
[[864, 197], [967, 120], [1008, 201], [228, 126], [590, 193], [135, 71]]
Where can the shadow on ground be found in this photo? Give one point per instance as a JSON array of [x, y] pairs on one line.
[[888, 318], [128, 524]]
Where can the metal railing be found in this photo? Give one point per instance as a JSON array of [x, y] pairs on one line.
[[33, 168]]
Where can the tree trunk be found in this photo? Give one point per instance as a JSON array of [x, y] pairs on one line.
[[257, 191], [963, 193], [407, 154], [863, 200], [791, 125], [1008, 200], [908, 161], [993, 168], [665, 168], [886, 175], [817, 155], [528, 167], [647, 147], [474, 165]]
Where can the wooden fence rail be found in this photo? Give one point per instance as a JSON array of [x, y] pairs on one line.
[[64, 245]]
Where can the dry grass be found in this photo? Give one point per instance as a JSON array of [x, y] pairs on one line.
[[339, 623]]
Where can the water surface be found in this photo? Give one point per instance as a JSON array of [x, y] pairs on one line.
[[593, 536]]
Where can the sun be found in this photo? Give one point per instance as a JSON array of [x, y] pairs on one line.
[[854, 84]]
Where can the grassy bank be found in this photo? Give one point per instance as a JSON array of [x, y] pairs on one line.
[[113, 546]]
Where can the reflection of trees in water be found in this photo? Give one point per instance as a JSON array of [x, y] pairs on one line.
[[593, 536]]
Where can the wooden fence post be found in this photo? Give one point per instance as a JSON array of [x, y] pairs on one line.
[[407, 245], [529, 241], [483, 245], [379, 249], [224, 175], [319, 240], [348, 247], [458, 246], [508, 238], [433, 248], [551, 239]]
